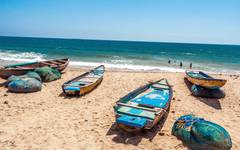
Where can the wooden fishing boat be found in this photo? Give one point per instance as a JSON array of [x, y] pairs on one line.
[[22, 68], [144, 107], [84, 83], [201, 79]]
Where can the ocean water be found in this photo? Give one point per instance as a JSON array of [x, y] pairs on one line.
[[123, 54]]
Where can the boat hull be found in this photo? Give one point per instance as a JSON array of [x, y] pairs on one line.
[[208, 82], [149, 126], [211, 84], [6, 72], [78, 90], [91, 87], [83, 90], [134, 114]]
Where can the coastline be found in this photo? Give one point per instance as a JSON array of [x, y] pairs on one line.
[[144, 56], [47, 119], [85, 68], [126, 67]]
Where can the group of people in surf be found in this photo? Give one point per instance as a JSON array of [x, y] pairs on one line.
[[181, 64]]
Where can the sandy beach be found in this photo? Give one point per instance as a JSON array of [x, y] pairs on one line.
[[48, 120]]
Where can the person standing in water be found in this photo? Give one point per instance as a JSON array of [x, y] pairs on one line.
[[190, 66], [169, 61], [181, 64]]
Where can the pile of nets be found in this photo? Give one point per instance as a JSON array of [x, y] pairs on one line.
[[48, 74], [30, 82], [200, 134], [208, 93]]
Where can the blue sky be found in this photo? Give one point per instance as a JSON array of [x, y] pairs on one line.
[[201, 21]]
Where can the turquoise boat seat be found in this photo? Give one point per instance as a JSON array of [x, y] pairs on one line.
[[76, 83], [74, 86], [156, 98], [132, 121], [136, 112]]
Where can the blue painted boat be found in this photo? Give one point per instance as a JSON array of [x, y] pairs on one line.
[[144, 107], [84, 83]]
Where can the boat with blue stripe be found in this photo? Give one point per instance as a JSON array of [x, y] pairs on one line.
[[84, 83], [144, 107]]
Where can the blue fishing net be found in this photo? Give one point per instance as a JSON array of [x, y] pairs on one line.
[[34, 75], [27, 75], [25, 85]]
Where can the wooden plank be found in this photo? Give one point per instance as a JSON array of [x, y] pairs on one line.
[[137, 115], [48, 64], [92, 77], [61, 61], [54, 62], [137, 107], [19, 67]]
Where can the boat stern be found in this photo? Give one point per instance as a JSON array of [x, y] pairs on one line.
[[71, 90]]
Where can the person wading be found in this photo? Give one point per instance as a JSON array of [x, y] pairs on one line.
[[181, 64]]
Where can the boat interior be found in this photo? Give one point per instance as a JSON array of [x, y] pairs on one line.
[[199, 75], [87, 79], [145, 101]]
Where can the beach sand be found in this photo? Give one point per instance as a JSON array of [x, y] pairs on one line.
[[48, 120]]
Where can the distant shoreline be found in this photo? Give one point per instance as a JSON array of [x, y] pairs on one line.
[[120, 40]]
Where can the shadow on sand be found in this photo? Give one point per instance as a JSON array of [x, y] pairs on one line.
[[70, 97], [135, 138], [212, 102], [4, 83]]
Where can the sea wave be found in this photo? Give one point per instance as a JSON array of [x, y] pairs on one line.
[[119, 60], [149, 68], [11, 55], [189, 54], [115, 62], [126, 66]]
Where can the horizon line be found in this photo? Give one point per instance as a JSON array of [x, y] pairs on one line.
[[117, 40]]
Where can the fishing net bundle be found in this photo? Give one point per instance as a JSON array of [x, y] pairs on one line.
[[30, 82], [208, 93], [48, 74], [200, 134]]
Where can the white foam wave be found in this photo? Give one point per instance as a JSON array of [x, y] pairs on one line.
[[10, 55], [126, 66], [119, 60], [189, 54], [146, 67], [115, 63]]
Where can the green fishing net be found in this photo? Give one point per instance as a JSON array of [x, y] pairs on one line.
[[200, 134], [48, 74]]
